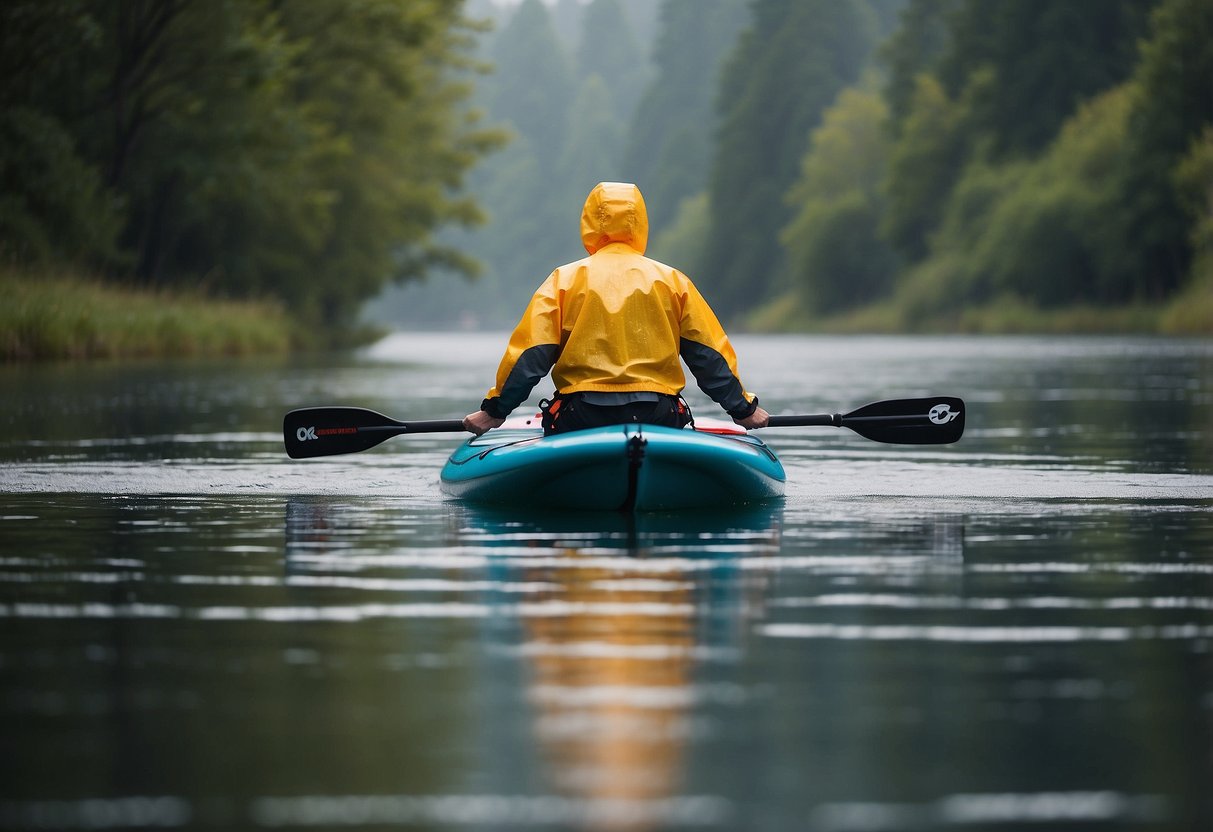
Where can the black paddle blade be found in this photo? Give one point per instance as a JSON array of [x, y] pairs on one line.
[[326, 431], [939, 420]]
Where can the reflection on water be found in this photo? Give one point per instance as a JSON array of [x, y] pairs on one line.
[[321, 662], [611, 675], [613, 614], [1012, 633]]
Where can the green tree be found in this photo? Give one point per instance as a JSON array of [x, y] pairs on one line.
[[787, 68], [608, 49], [1172, 108], [681, 242], [199, 134], [1042, 235], [835, 255], [594, 138], [978, 81], [1194, 180], [304, 151], [388, 78], [532, 83], [1040, 230], [533, 213], [914, 49], [669, 145], [1044, 58], [54, 203], [923, 167]]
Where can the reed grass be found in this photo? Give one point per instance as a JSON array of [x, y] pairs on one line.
[[62, 316]]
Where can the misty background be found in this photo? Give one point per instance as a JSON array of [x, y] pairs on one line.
[[894, 163]]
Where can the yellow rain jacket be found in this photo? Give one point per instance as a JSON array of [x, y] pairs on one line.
[[617, 322]]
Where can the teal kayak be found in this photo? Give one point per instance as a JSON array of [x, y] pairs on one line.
[[621, 467]]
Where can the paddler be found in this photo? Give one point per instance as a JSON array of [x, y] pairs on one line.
[[611, 328]]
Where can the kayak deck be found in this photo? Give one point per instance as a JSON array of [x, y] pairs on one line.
[[621, 467]]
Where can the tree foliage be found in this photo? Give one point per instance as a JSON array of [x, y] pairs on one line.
[[913, 51], [669, 146], [836, 256], [564, 78], [1172, 108], [1042, 154], [305, 151], [923, 167], [1037, 60], [787, 68], [53, 204], [609, 50], [1052, 152], [532, 224]]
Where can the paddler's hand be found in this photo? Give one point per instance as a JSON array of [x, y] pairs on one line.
[[480, 421], [758, 419]]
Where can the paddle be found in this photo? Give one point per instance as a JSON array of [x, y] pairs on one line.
[[326, 431], [935, 421]]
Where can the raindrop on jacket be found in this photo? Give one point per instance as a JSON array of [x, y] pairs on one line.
[[617, 321]]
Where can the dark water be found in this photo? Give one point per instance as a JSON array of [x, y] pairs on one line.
[[1014, 632]]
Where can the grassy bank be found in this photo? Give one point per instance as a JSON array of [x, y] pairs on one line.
[[57, 316], [1189, 314]]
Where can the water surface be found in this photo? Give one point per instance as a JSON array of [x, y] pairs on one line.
[[1012, 632]]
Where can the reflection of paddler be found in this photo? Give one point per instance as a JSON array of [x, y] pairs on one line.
[[308, 529], [612, 684]]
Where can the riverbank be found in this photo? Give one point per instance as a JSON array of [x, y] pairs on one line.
[[1189, 314], [59, 316]]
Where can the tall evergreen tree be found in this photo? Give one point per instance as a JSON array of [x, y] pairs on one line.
[[532, 209], [532, 84], [670, 143], [1096, 216], [1172, 110], [924, 165], [566, 21], [1044, 58], [608, 49], [993, 79], [836, 259], [788, 67], [592, 150], [915, 48], [888, 16]]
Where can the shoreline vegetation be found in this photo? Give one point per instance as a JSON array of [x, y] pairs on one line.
[[63, 316], [1190, 314], [266, 171], [58, 316]]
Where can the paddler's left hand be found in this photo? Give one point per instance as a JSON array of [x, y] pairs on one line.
[[758, 419], [479, 422]]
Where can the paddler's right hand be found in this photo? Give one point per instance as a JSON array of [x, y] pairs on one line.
[[480, 421], [758, 419]]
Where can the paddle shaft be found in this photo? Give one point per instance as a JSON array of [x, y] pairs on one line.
[[431, 426], [824, 420], [819, 420], [325, 431]]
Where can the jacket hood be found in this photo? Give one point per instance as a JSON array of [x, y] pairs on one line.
[[614, 212]]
